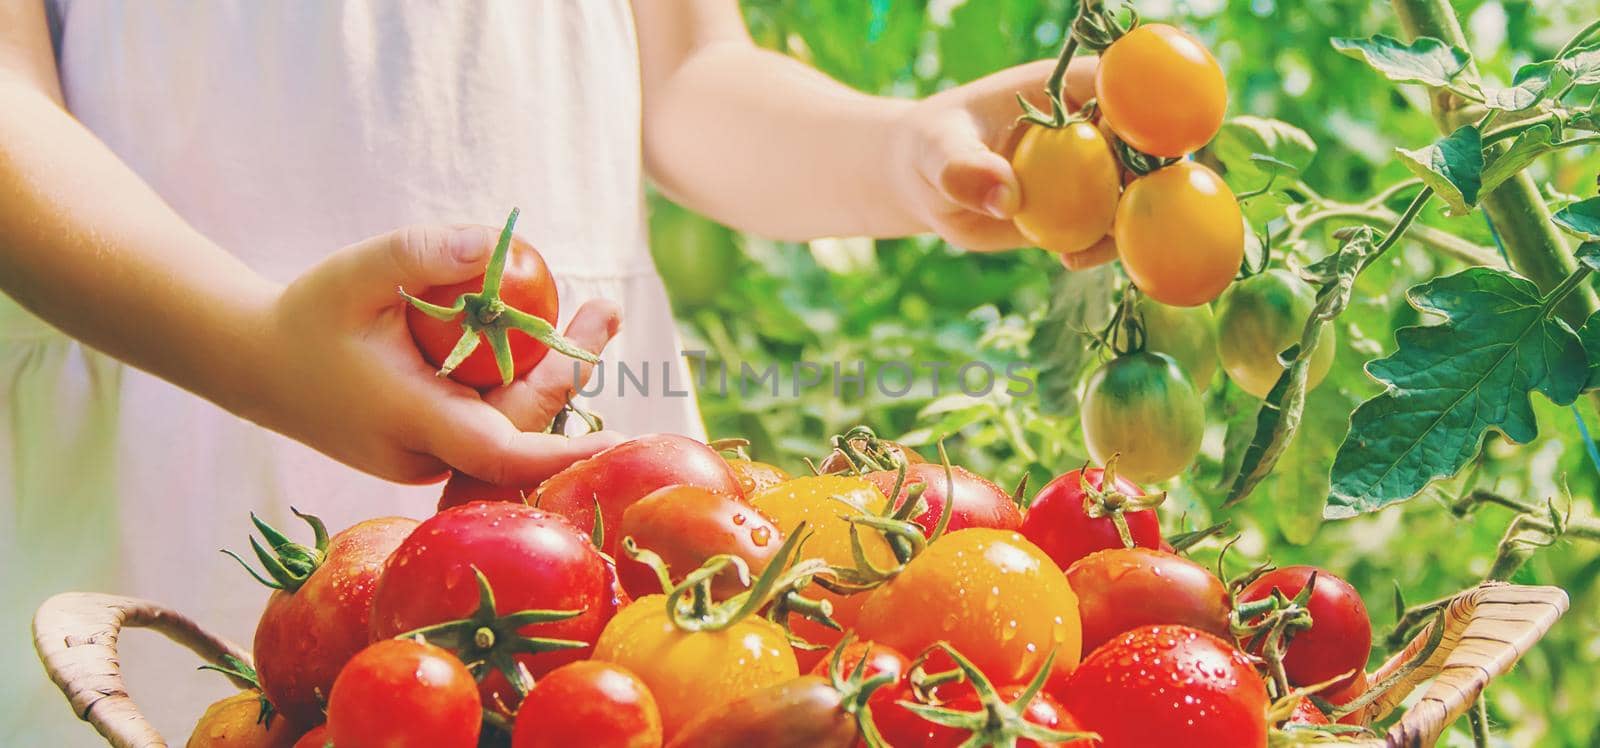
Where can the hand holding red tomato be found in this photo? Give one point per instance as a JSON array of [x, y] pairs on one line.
[[348, 380]]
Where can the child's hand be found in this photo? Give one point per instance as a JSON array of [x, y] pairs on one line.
[[341, 372], [951, 156]]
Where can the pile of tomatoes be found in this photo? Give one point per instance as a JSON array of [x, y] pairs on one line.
[[662, 593]]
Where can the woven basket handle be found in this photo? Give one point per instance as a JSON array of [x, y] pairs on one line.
[[1487, 629], [76, 633]]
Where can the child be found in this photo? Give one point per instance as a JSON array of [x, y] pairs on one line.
[[176, 179]]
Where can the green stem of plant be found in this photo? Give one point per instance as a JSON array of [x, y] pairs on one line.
[[1515, 208], [1403, 223], [1579, 38]]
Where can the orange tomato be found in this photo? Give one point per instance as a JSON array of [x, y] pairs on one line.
[[1180, 234], [1069, 181], [1161, 91]]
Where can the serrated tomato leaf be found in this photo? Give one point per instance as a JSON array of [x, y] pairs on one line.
[[1279, 415], [1529, 146], [1427, 60], [1581, 218], [1452, 166], [1583, 67], [1080, 303], [1450, 383], [1527, 88]]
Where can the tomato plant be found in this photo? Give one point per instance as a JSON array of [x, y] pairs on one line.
[[1169, 685], [1339, 637], [1069, 183], [588, 703], [1122, 589], [402, 693], [627, 472], [1161, 91], [1260, 317], [318, 615], [513, 306], [974, 500], [1059, 520], [519, 591], [686, 526], [1180, 234], [991, 594], [1141, 407]]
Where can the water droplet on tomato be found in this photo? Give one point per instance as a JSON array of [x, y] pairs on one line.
[[738, 519], [761, 536]]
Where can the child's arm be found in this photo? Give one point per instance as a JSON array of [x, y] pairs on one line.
[[89, 247], [763, 143]]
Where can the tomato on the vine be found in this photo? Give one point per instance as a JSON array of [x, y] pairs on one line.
[[826, 503], [317, 620], [400, 693], [1142, 407], [627, 472], [990, 594], [1058, 521], [1169, 685], [1260, 317], [692, 671], [1069, 182], [1340, 637], [1121, 589], [977, 502], [1180, 234], [1161, 91], [1186, 333], [589, 703], [530, 560], [1043, 710], [686, 526]]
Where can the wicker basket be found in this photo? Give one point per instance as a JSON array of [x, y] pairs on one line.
[[1487, 629]]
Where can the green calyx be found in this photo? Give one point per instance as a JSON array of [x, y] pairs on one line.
[[1106, 501], [997, 722], [861, 451], [242, 672], [855, 688], [1093, 28], [486, 640], [288, 564], [1267, 625], [484, 315], [691, 608], [906, 538]]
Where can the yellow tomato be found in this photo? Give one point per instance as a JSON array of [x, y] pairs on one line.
[[994, 596], [690, 671], [234, 722], [754, 476], [1069, 182], [1161, 91], [1180, 234], [823, 502]]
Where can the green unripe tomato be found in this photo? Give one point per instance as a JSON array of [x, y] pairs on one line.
[[1141, 406], [1257, 319], [1186, 333]]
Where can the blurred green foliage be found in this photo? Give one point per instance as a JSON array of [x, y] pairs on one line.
[[759, 302]]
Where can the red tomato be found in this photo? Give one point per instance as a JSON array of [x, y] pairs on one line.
[[465, 489], [589, 703], [1058, 524], [316, 738], [686, 526], [307, 633], [400, 693], [533, 560], [1352, 691], [881, 660], [1043, 710], [1169, 685], [1307, 713], [1340, 637], [628, 472], [526, 285], [1121, 589], [978, 503]]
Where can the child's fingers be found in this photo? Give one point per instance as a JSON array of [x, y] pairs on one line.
[[365, 275], [473, 437], [531, 401], [1100, 253], [956, 162]]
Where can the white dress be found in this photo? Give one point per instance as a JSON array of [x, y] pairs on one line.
[[283, 131]]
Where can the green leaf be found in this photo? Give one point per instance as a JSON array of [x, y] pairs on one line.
[[1279, 415], [1452, 166], [1589, 334], [1080, 303], [1301, 488], [1243, 140], [1528, 86], [1583, 67], [1581, 218], [1528, 147], [1427, 60], [1449, 383]]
